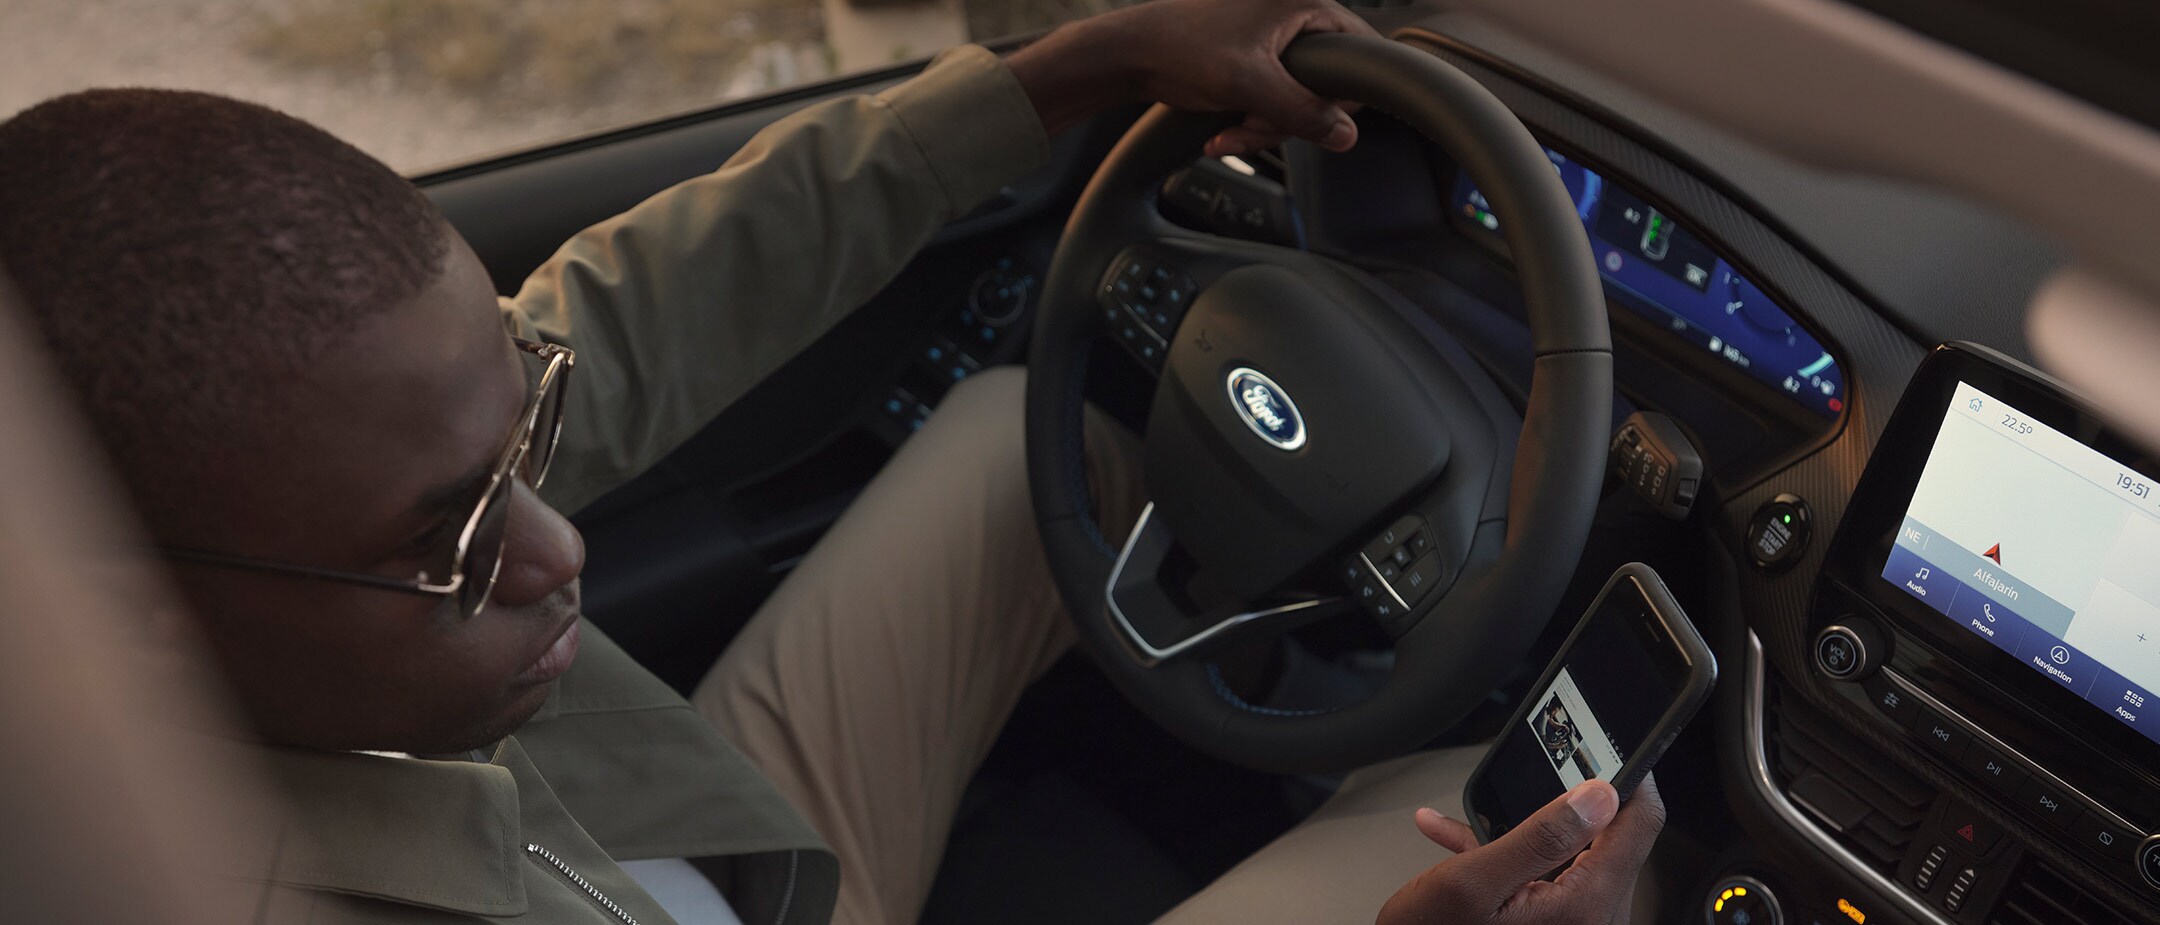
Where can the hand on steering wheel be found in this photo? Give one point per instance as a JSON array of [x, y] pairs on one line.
[[1309, 422]]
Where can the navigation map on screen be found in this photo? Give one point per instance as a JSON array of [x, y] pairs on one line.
[[2042, 546]]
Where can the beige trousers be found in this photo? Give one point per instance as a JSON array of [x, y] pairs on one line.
[[877, 676], [873, 682]]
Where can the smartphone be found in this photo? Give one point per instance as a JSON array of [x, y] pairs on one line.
[[1627, 679]]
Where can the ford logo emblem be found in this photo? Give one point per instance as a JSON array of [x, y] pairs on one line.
[[1266, 408]]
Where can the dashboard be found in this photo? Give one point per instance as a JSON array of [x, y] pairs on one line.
[[1938, 703], [1991, 597]]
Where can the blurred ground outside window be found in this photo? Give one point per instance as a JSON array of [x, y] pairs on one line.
[[425, 83]]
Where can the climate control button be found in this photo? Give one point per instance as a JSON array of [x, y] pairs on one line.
[[2102, 838], [1743, 901]]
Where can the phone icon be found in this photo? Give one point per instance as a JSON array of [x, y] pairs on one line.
[[1988, 611]]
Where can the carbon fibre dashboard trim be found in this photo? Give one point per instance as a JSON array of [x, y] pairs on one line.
[[1758, 757]]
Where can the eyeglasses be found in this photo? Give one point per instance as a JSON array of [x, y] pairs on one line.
[[464, 571]]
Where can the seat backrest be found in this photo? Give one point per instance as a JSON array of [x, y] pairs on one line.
[[107, 813]]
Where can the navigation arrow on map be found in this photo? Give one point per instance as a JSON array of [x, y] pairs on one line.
[[1994, 552]]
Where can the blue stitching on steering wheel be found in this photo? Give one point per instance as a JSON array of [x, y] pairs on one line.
[[1222, 688]]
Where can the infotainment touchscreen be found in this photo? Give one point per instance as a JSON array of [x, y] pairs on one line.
[[2042, 546]]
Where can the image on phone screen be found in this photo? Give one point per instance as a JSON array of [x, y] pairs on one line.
[[1574, 741], [1606, 699]]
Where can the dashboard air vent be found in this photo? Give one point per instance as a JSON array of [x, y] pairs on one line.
[[2040, 896], [1867, 801]]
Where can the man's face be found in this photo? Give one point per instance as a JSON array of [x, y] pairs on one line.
[[377, 455]]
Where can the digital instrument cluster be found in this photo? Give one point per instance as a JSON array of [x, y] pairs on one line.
[[1663, 272]]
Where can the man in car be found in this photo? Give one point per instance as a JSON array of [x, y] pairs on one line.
[[356, 457]]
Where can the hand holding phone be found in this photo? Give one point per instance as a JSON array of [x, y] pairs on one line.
[[1503, 882], [1627, 679]]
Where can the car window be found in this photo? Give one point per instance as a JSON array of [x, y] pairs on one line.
[[426, 83]]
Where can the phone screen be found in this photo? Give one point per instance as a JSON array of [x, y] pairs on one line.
[[1617, 679]]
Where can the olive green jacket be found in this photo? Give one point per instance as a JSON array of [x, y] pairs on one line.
[[676, 308]]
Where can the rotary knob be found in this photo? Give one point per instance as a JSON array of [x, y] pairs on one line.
[[1849, 649]]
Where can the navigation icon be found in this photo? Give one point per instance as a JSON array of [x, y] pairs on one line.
[[1994, 552], [2060, 655]]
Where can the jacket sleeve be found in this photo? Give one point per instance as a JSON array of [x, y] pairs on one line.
[[680, 305]]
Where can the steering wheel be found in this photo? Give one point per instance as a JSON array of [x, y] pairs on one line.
[[1316, 447]]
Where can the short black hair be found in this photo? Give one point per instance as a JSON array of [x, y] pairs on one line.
[[182, 252]]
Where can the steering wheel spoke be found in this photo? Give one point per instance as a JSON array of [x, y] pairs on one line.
[[1149, 287], [1158, 623], [1303, 409]]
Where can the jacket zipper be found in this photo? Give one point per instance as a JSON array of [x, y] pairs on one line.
[[580, 882], [787, 899]]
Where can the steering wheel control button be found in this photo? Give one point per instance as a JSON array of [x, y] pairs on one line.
[[2045, 801], [1134, 333], [1419, 579], [1991, 766], [1848, 650], [1653, 456], [1941, 735], [1402, 559], [1398, 533], [1742, 901], [2148, 861], [1777, 534], [1368, 583], [1140, 312], [2103, 839]]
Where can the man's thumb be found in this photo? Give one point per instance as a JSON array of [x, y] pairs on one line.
[[1551, 836]]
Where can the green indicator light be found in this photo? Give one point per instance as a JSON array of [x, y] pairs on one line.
[[1787, 518]]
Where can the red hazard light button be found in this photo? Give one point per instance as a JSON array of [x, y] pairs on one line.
[[1967, 832]]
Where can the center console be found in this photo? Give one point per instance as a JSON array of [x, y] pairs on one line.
[[1991, 600]]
